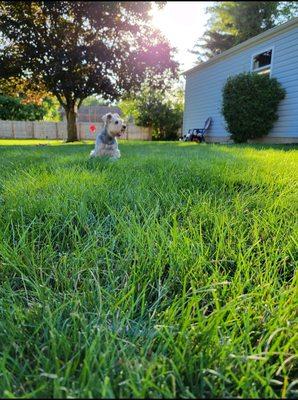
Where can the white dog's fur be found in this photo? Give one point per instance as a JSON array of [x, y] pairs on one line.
[[106, 143]]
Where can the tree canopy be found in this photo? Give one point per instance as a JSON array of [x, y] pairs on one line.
[[23, 89], [232, 22], [22, 100], [77, 49]]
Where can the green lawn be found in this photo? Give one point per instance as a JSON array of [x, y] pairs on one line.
[[167, 273]]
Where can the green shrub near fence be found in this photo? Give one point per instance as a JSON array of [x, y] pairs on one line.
[[12, 108]]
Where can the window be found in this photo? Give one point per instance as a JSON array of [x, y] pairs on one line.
[[262, 62]]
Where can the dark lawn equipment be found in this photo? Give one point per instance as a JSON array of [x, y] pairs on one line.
[[198, 134]]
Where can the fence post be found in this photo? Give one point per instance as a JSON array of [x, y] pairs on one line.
[[79, 130], [33, 130], [12, 130], [57, 130]]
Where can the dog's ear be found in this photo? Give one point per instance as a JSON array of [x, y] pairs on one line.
[[107, 117]]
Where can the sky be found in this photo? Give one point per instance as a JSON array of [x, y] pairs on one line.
[[182, 22]]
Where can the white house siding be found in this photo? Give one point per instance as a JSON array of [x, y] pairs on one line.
[[203, 92]]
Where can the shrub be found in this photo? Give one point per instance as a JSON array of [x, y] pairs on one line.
[[158, 104], [12, 108], [250, 103], [165, 117]]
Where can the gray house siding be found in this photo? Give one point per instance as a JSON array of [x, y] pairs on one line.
[[203, 91]]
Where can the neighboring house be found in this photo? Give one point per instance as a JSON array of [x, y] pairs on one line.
[[92, 113], [274, 52]]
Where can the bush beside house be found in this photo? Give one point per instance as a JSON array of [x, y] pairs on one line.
[[250, 103]]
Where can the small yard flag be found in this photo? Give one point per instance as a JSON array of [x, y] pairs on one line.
[[92, 128]]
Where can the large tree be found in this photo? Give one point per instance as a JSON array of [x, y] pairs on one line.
[[232, 22], [76, 49]]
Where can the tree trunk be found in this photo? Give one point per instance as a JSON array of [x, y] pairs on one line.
[[71, 116]]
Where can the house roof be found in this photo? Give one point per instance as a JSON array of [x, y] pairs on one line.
[[264, 35], [98, 109], [93, 113]]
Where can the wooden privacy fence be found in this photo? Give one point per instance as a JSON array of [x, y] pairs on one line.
[[58, 130]]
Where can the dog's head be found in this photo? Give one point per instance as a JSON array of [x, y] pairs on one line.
[[114, 124]]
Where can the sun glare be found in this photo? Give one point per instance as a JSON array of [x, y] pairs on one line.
[[182, 22]]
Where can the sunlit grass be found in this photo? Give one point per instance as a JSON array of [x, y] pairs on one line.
[[28, 142], [169, 273]]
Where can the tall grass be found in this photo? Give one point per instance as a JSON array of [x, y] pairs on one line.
[[169, 273]]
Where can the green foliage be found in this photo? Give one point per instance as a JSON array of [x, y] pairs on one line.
[[129, 109], [26, 93], [164, 117], [168, 274], [12, 108], [287, 10], [232, 22], [250, 103], [15, 109], [158, 104], [52, 109], [24, 89]]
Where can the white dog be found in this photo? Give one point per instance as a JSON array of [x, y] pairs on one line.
[[106, 142]]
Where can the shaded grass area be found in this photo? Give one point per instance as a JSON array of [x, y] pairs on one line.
[[169, 273]]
